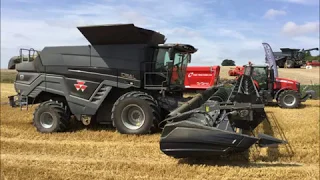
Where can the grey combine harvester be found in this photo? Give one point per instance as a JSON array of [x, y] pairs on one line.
[[130, 78]]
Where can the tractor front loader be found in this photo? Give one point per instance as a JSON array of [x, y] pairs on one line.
[[212, 122]]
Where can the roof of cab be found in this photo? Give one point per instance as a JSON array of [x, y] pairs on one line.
[[120, 34]]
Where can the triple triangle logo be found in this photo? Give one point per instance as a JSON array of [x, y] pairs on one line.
[[80, 85]]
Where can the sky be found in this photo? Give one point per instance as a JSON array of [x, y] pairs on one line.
[[219, 29]]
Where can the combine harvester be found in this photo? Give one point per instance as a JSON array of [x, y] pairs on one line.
[[292, 58], [129, 78], [126, 77]]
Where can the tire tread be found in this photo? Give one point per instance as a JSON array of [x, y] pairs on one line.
[[59, 108], [146, 97]]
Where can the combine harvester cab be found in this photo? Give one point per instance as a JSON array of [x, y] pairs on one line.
[[212, 122]]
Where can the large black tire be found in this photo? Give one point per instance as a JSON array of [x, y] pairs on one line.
[[142, 105], [51, 116], [289, 99]]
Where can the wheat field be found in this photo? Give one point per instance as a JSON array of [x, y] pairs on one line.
[[103, 153]]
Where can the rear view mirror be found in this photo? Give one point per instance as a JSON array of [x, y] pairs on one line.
[[171, 53]]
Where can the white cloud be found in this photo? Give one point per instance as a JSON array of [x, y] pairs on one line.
[[292, 29], [308, 42], [271, 13], [231, 33]]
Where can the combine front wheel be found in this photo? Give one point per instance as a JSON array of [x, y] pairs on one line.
[[289, 99], [135, 113], [51, 116]]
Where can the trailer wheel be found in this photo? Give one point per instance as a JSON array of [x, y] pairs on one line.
[[135, 113], [51, 116], [289, 99]]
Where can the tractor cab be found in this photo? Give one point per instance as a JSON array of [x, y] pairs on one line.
[[261, 75], [265, 79], [285, 91]]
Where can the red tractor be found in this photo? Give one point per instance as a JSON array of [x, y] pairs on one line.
[[285, 91]]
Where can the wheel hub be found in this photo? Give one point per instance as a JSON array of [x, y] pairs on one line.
[[132, 116], [46, 120], [289, 100]]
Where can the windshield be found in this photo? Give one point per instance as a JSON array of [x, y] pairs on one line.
[[261, 76], [180, 67], [177, 72]]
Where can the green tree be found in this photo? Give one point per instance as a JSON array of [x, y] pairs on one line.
[[312, 58], [228, 62], [307, 54]]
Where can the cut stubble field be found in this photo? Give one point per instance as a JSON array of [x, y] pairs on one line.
[[103, 153]]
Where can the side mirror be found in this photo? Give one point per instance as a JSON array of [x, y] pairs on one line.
[[189, 58], [171, 53]]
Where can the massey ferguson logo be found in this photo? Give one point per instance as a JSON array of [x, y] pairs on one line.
[[193, 74], [202, 83], [80, 86]]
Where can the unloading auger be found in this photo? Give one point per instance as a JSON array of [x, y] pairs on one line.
[[212, 122]]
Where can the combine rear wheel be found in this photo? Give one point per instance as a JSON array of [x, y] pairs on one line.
[[51, 116], [289, 99], [135, 113]]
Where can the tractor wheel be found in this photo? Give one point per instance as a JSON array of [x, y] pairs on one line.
[[51, 116], [289, 99], [135, 113]]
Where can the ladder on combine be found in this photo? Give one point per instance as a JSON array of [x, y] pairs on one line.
[[27, 55]]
